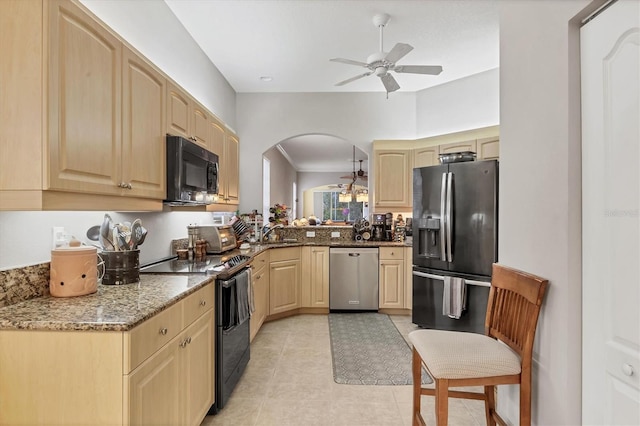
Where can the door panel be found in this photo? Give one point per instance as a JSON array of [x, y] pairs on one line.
[[610, 54], [428, 226], [474, 236]]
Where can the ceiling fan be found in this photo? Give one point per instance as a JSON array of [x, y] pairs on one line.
[[355, 175], [380, 63]]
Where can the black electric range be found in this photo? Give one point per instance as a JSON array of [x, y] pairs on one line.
[[212, 264]]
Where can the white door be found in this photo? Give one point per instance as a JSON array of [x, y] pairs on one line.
[[610, 53]]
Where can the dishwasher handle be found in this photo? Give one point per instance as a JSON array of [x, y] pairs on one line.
[[354, 254]]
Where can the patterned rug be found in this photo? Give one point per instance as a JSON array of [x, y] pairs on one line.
[[368, 349]]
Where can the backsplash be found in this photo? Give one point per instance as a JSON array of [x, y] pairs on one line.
[[20, 284]]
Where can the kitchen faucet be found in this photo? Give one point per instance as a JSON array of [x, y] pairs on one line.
[[268, 231]]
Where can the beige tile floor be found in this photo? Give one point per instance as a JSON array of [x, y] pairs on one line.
[[289, 381]]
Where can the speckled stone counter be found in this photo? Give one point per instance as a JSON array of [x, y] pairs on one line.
[[120, 308], [111, 308]]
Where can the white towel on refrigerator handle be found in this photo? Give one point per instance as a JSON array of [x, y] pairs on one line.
[[454, 297]]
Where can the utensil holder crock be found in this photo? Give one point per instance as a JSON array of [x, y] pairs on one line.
[[121, 267]]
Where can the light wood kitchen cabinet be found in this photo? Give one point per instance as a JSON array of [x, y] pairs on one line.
[[229, 170], [467, 145], [175, 385], [85, 100], [393, 179], [426, 156], [200, 127], [178, 111], [160, 372], [488, 148], [284, 280], [315, 277], [83, 153], [260, 279], [392, 277], [143, 159]]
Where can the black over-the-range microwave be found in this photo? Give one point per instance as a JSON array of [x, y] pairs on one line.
[[192, 173]]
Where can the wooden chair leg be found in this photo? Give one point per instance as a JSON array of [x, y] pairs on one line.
[[416, 369], [442, 402], [525, 399], [490, 404]]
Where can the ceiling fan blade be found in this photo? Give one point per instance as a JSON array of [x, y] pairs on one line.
[[398, 52], [349, 62], [390, 83], [349, 80], [419, 69]]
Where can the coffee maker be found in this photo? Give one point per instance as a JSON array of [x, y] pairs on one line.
[[382, 226], [378, 225]]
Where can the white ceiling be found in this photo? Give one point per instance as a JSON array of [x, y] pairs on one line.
[[293, 40]]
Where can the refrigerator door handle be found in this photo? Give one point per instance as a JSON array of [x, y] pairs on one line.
[[443, 215], [441, 278], [449, 220]]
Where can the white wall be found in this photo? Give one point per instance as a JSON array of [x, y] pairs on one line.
[[358, 118], [153, 29], [26, 237], [473, 101], [540, 191], [283, 175]]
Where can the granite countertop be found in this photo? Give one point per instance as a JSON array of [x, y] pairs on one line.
[[122, 307], [111, 308]]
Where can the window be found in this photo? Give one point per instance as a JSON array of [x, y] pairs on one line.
[[335, 210]]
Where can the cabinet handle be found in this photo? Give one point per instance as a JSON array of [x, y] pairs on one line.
[[128, 186], [183, 344], [163, 331], [189, 340], [258, 277], [203, 302], [627, 369]]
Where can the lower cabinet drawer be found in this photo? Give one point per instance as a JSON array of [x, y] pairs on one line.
[[145, 339], [197, 304]]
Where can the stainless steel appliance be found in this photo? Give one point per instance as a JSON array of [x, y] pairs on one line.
[[353, 279], [455, 229], [192, 173], [232, 350], [219, 238]]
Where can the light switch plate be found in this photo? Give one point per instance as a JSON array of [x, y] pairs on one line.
[[311, 234], [335, 234]]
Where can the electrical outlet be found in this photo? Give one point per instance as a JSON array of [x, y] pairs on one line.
[[57, 236], [335, 234], [311, 234]]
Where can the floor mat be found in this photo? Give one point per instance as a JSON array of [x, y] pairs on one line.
[[368, 349]]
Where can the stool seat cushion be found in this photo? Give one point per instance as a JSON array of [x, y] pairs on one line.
[[462, 355]]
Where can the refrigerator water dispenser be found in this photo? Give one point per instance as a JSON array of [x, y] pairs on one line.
[[428, 238]]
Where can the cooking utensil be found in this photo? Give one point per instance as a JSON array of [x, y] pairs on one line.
[[136, 234], [93, 233], [143, 235], [105, 234]]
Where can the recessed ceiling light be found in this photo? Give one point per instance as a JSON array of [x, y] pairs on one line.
[[266, 78]]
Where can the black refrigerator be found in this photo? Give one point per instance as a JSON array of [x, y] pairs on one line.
[[455, 234]]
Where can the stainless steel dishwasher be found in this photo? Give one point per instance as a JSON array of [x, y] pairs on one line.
[[353, 279]]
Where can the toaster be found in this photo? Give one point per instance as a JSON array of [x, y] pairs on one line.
[[219, 238]]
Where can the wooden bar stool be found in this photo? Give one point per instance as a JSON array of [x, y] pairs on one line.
[[500, 356]]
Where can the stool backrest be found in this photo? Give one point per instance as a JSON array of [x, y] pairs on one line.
[[513, 308]]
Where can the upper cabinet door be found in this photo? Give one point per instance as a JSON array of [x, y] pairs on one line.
[[84, 102], [144, 124], [489, 148], [393, 179], [461, 146], [200, 128], [177, 111], [232, 163], [423, 157]]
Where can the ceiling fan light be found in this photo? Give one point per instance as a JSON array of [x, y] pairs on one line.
[[344, 197]]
